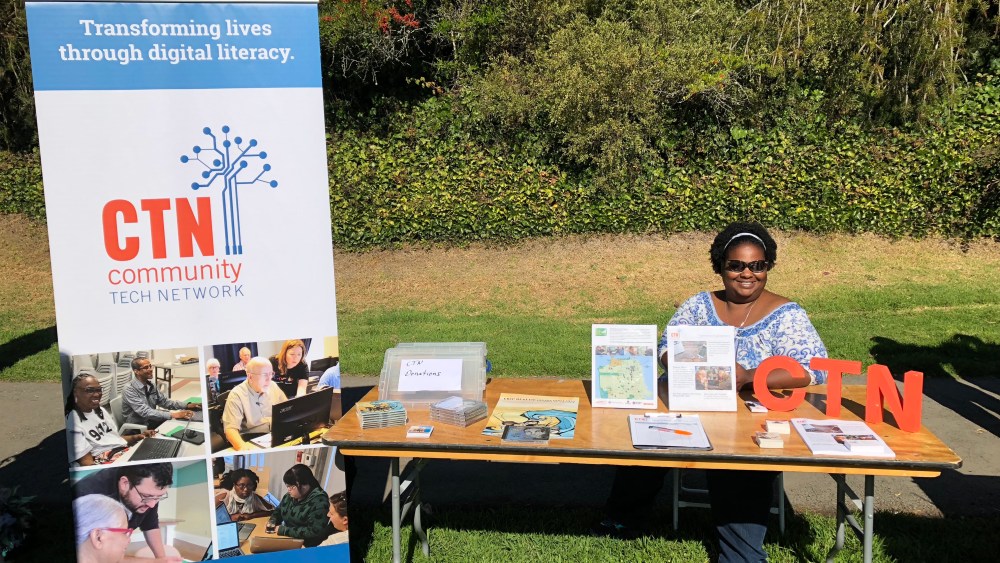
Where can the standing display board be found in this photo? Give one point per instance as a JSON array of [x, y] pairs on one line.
[[184, 161]]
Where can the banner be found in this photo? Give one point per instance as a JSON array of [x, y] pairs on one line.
[[183, 153]]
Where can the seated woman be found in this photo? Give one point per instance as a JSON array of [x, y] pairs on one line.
[[102, 532], [290, 366], [338, 519], [242, 501], [91, 433], [767, 324], [302, 512]]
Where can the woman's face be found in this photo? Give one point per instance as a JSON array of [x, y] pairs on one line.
[[746, 285], [293, 356], [243, 488], [88, 394], [113, 544], [297, 492], [339, 522]]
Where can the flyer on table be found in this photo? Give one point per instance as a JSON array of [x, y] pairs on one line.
[[701, 368], [623, 366]]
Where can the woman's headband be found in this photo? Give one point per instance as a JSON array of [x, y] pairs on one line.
[[738, 235]]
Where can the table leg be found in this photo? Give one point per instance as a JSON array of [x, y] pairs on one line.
[[845, 517], [869, 517], [397, 554], [418, 509], [841, 517]]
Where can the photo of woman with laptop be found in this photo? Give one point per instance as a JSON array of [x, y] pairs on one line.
[[278, 501]]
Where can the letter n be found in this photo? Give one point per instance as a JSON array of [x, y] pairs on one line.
[[195, 229], [882, 389]]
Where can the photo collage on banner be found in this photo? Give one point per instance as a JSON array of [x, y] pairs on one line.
[[183, 153]]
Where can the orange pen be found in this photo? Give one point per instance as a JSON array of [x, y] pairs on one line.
[[673, 430]]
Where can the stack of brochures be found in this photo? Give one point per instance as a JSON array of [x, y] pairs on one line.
[[841, 437], [458, 411], [381, 414]]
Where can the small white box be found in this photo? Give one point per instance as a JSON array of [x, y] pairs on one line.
[[768, 440], [778, 426]]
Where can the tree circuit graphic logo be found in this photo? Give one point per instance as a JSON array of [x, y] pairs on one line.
[[227, 165]]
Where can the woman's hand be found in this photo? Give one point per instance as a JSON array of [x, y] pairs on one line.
[[744, 377], [239, 517]]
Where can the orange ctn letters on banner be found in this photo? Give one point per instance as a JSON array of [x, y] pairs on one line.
[[835, 369], [882, 389], [764, 394]]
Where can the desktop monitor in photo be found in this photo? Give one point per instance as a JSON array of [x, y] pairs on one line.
[[296, 418], [230, 379]]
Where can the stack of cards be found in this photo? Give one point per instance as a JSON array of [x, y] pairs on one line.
[[381, 414], [768, 439], [778, 426], [458, 411]]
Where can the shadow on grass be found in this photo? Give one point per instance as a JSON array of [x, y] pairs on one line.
[[972, 396], [26, 345], [454, 528], [42, 472]]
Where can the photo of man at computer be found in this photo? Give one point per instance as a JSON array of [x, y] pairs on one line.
[[290, 500], [253, 410], [167, 502], [135, 405]]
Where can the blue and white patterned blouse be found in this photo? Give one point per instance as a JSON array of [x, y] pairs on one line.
[[785, 331]]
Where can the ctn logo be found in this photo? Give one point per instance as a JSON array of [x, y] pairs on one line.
[[227, 164]]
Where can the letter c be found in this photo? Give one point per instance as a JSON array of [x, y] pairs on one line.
[[112, 240]]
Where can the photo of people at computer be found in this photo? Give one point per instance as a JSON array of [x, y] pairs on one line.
[[244, 411], [279, 501], [134, 406], [144, 511]]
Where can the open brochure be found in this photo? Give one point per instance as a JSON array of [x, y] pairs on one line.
[[841, 437], [701, 368], [623, 366], [668, 431]]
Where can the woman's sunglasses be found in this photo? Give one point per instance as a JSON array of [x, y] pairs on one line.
[[757, 266]]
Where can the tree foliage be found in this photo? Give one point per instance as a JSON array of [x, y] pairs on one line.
[[17, 104]]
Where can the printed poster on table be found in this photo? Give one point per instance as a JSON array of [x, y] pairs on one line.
[[184, 163], [623, 366], [701, 368]]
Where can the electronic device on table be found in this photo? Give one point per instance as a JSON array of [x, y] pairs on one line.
[[243, 529], [296, 418]]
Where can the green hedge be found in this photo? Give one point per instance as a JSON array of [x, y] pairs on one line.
[[809, 175], [445, 187], [21, 184]]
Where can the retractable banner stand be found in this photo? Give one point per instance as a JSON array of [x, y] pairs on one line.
[[184, 162]]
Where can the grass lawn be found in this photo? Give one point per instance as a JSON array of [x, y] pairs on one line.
[[543, 535], [922, 305]]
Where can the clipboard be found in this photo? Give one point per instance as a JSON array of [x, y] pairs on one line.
[[668, 431]]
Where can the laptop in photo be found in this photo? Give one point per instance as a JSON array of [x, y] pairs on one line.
[[229, 541], [243, 529], [156, 448]]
